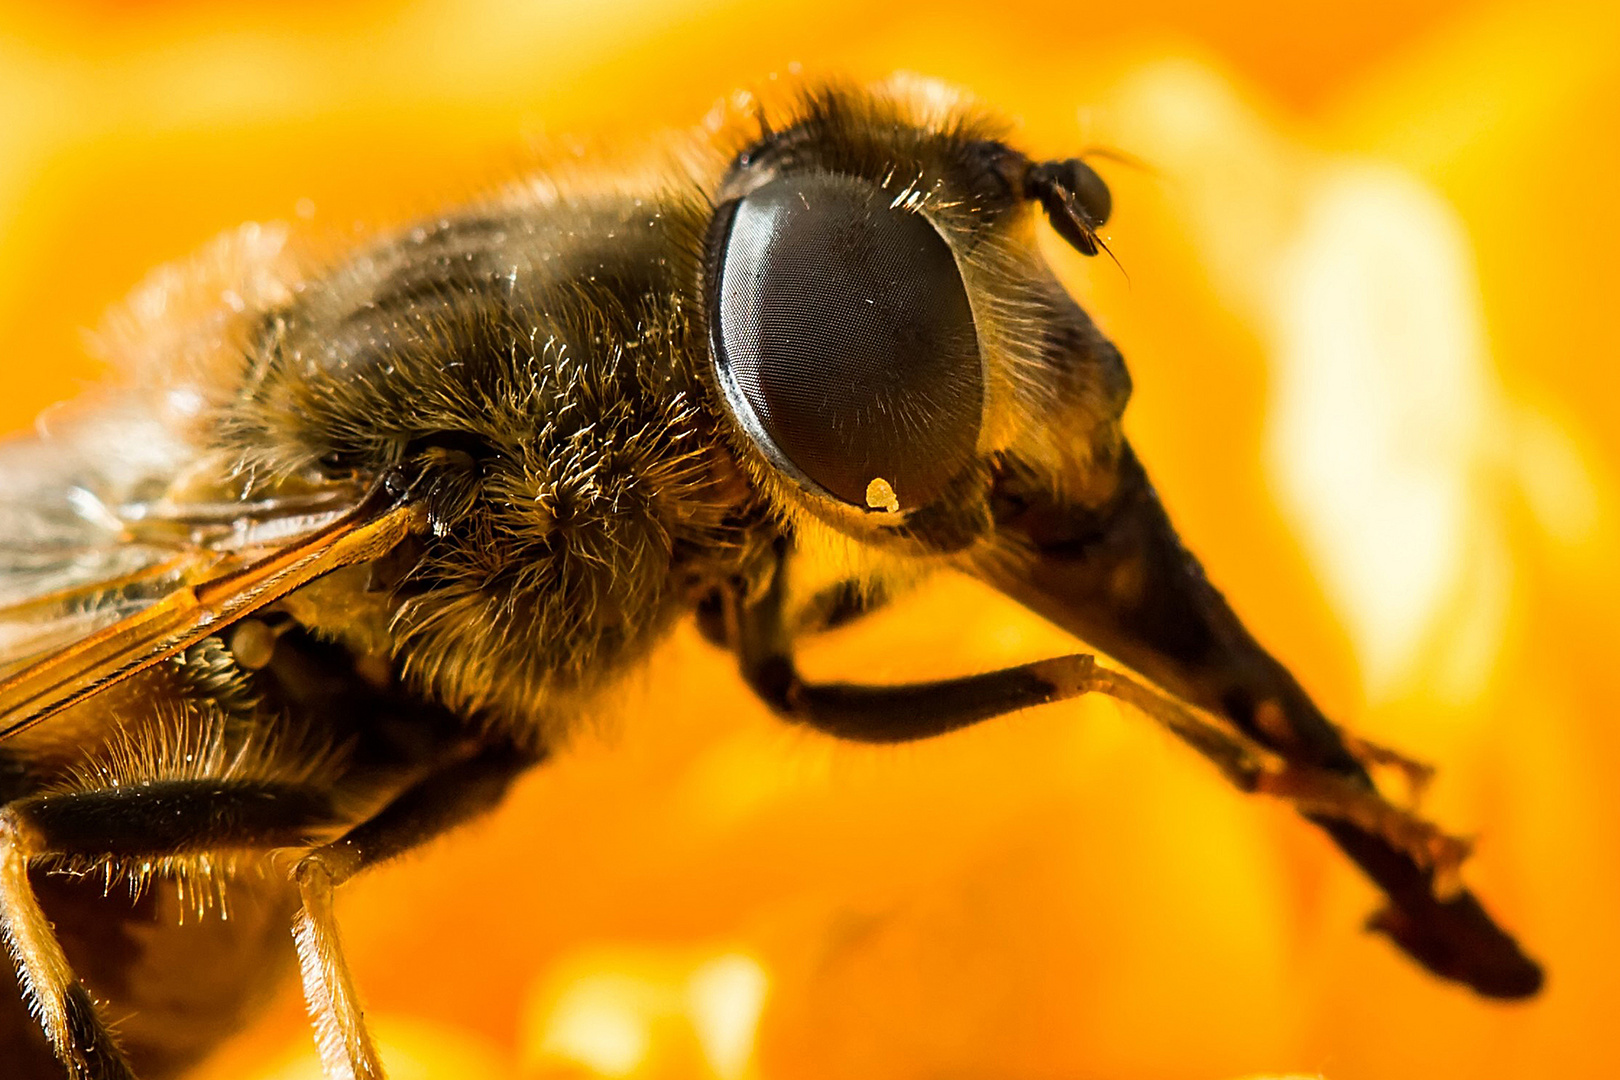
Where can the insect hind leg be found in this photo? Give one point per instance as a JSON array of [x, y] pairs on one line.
[[150, 822], [73, 1023]]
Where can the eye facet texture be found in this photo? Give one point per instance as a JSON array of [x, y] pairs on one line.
[[844, 338]]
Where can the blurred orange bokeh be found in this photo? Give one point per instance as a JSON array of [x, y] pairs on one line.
[[1369, 257]]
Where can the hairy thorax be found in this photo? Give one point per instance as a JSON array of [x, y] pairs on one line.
[[539, 387]]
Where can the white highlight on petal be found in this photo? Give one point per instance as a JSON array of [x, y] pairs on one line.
[[1393, 447], [724, 998], [602, 1022], [625, 1013], [1382, 408]]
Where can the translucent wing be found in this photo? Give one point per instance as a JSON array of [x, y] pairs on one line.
[[105, 570], [60, 585], [123, 536], [81, 543], [225, 588]]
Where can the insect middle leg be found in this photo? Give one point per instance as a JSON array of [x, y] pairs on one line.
[[436, 804]]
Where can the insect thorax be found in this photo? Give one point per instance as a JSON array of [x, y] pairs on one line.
[[535, 372]]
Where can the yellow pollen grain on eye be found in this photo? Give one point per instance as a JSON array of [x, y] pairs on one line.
[[880, 496]]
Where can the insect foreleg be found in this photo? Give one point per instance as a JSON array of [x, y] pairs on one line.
[[879, 714], [903, 713], [829, 608], [1431, 915]]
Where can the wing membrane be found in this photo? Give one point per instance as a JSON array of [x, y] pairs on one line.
[[192, 610], [35, 627]]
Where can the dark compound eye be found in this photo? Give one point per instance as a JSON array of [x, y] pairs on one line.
[[844, 340]]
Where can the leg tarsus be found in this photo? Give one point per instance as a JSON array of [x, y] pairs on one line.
[[1432, 916]]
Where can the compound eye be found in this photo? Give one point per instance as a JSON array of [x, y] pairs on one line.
[[844, 341]]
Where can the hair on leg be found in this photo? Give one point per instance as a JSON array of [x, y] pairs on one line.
[[172, 826], [341, 1035], [70, 1018], [436, 804]]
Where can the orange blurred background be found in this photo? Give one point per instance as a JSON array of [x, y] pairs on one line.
[[1367, 276]]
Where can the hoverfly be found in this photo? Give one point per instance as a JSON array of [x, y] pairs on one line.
[[354, 543]]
